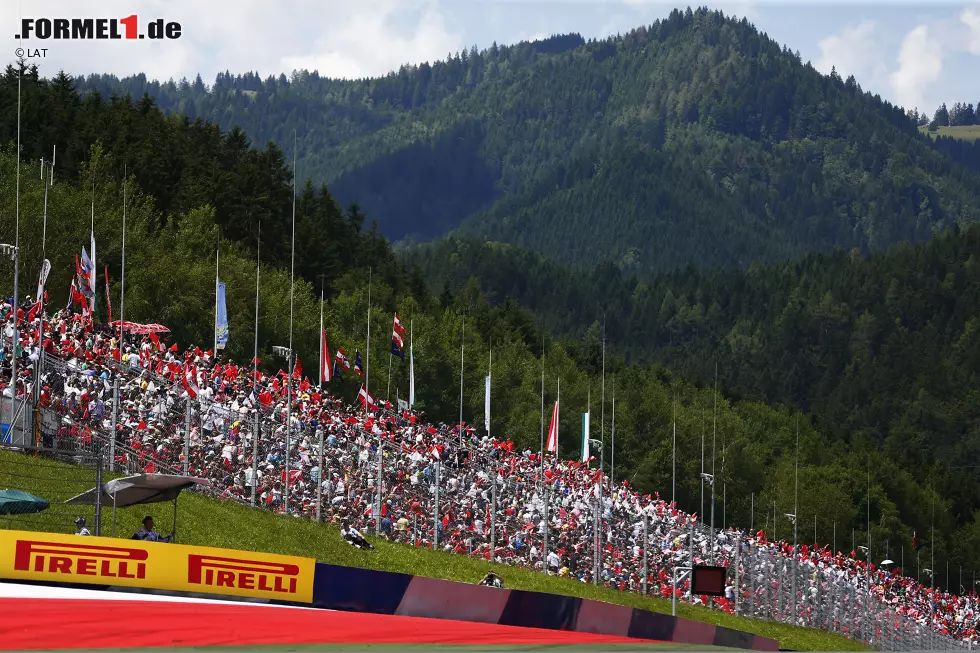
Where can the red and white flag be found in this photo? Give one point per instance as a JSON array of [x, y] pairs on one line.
[[297, 370], [189, 381], [553, 431], [366, 399]]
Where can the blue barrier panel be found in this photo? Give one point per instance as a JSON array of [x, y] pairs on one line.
[[652, 625], [540, 610], [358, 590]]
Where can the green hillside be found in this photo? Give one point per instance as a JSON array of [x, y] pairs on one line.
[[208, 522], [693, 140], [960, 132]]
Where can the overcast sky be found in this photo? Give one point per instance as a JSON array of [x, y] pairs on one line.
[[914, 54]]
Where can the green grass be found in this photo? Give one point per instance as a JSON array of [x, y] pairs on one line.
[[967, 133], [209, 522]]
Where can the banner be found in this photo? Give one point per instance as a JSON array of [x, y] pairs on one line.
[[43, 278], [221, 319], [51, 557], [585, 437]]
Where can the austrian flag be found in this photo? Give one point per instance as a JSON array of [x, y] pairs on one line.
[[398, 338], [189, 381], [366, 399]]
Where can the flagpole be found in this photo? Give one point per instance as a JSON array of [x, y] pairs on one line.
[[388, 388], [541, 470], [557, 408], [15, 339], [91, 283], [673, 458], [122, 278], [411, 363], [321, 332], [602, 461], [714, 437], [217, 281], [487, 406], [462, 344], [289, 363], [612, 464], [255, 371], [367, 365]]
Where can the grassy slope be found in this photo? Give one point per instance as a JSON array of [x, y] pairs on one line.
[[965, 133], [208, 522]]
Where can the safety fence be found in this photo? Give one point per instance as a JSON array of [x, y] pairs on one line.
[[469, 501]]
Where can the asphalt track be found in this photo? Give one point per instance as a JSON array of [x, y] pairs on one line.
[[43, 619]]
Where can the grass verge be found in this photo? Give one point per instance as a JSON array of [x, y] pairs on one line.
[[209, 522]]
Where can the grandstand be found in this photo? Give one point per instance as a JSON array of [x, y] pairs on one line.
[[145, 407]]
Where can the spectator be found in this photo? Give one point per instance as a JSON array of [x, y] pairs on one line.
[[148, 534]]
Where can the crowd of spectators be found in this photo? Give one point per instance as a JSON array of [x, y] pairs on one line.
[[559, 517]]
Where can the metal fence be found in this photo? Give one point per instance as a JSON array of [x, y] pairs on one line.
[[470, 501]]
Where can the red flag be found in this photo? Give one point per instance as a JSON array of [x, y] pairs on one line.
[[553, 430], [297, 370], [366, 399], [189, 381]]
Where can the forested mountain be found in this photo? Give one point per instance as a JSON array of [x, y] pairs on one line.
[[695, 139], [883, 351]]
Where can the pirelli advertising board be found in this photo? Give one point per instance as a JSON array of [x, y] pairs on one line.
[[107, 561]]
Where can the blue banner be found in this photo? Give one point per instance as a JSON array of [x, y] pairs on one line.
[[221, 319]]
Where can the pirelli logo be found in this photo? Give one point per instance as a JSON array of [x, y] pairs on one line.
[[107, 562], [236, 573]]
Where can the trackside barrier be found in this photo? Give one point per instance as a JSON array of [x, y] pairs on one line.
[[55, 558], [102, 561], [380, 592]]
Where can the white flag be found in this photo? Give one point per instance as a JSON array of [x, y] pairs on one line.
[[411, 374], [486, 407], [585, 437]]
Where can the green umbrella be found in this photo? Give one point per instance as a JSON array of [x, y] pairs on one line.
[[18, 502]]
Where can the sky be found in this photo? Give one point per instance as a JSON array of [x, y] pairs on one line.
[[915, 54]]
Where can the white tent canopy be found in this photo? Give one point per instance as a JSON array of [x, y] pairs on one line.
[[137, 490]]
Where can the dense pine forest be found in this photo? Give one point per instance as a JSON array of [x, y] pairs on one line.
[[692, 140], [692, 186]]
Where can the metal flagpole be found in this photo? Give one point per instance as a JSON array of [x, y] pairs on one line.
[[462, 345], [320, 335], [388, 388], [122, 280], [489, 382], [291, 356], [602, 407], [612, 461], [701, 513], [367, 353], [714, 437], [541, 452], [796, 513], [411, 363], [256, 434], [673, 458], [217, 281], [15, 340]]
